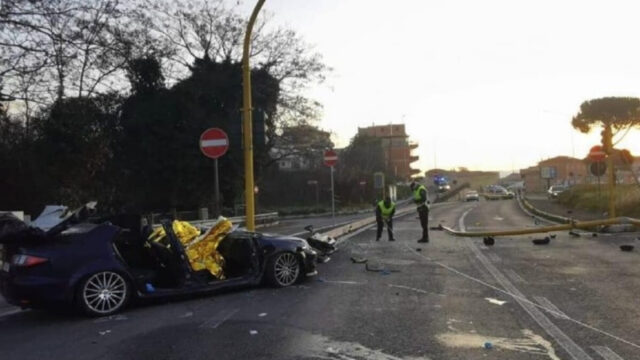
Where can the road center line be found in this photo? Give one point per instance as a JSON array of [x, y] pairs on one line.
[[606, 353], [548, 304], [515, 276], [573, 349]]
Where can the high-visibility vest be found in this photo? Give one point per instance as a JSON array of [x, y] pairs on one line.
[[386, 211], [416, 195]]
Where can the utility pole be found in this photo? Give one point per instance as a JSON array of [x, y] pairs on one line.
[[248, 122]]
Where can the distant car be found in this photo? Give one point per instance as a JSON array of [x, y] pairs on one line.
[[496, 192], [99, 266], [471, 195], [444, 187], [556, 190]]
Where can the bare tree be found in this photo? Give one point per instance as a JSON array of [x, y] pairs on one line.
[[208, 29], [52, 49]]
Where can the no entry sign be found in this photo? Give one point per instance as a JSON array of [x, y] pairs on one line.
[[214, 143], [330, 158], [597, 153]]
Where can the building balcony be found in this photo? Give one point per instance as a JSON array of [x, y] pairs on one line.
[[413, 158], [413, 145], [414, 171]]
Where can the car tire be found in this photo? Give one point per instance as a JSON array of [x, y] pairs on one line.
[[283, 269], [103, 293]]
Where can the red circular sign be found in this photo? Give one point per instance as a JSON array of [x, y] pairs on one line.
[[214, 143], [597, 153], [330, 158]]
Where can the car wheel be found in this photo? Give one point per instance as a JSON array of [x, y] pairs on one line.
[[103, 293], [284, 269]]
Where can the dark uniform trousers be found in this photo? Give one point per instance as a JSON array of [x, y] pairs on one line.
[[423, 212], [381, 224]]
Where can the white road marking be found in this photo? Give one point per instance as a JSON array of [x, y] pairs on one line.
[[498, 218], [219, 318], [606, 353], [11, 312], [515, 277], [549, 305], [573, 349], [494, 257]]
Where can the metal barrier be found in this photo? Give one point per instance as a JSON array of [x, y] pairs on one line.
[[261, 219], [546, 229]]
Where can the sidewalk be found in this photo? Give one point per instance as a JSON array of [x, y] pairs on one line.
[[541, 202]]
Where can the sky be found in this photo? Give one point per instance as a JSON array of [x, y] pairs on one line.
[[488, 85]]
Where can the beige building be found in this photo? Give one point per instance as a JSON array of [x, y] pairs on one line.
[[397, 149]]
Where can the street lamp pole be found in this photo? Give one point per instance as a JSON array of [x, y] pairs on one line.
[[247, 122]]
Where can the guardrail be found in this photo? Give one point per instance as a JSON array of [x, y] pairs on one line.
[[260, 219], [543, 214]]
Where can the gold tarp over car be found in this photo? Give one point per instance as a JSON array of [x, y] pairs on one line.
[[200, 249]]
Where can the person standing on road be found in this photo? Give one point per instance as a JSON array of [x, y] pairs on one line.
[[385, 209], [421, 199]]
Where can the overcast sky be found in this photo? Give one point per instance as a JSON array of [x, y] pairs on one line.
[[489, 84]]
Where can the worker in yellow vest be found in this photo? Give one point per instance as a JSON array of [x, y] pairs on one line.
[[385, 209], [421, 199]]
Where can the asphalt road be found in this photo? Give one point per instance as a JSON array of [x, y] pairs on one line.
[[573, 299]]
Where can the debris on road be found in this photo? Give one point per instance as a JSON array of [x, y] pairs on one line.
[[553, 236], [104, 332], [488, 345], [358, 260], [489, 241], [262, 314], [253, 332], [495, 301], [573, 233], [418, 249], [626, 247], [544, 241], [379, 270]]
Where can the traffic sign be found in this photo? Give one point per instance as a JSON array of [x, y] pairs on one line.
[[598, 168], [597, 153], [378, 180], [214, 143], [330, 158]]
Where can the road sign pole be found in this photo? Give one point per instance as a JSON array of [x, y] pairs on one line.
[[216, 190], [599, 194], [333, 199]]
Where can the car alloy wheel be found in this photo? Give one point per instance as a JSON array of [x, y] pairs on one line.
[[104, 293], [286, 269]]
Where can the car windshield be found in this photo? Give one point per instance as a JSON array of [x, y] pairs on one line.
[[409, 180]]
